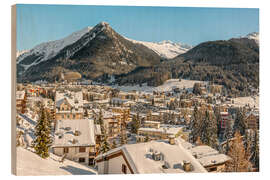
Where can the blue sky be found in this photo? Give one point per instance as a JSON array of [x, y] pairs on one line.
[[41, 23]]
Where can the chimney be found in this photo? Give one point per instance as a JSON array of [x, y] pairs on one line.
[[171, 139], [186, 166]]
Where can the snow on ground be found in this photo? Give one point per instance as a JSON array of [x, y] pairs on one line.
[[27, 125], [242, 101], [51, 48], [167, 86], [254, 35], [166, 49], [30, 164]]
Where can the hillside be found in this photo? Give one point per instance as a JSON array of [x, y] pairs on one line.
[[94, 52], [165, 49], [232, 63]]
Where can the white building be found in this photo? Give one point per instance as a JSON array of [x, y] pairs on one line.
[[161, 156], [76, 140]]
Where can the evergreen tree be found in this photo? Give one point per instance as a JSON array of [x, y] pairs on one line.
[[209, 130], [114, 145], [228, 134], [43, 138], [238, 162], [153, 102], [195, 125], [85, 113], [196, 88], [147, 139], [255, 155], [135, 123], [101, 122], [105, 147], [240, 123]]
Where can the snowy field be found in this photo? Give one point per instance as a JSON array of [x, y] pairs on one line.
[[167, 86], [242, 101], [30, 164]]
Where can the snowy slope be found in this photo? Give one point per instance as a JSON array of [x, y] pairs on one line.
[[30, 164], [167, 86], [51, 48], [254, 35], [165, 49], [18, 53]]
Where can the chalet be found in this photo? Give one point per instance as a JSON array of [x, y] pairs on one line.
[[252, 120], [68, 105], [75, 140], [150, 157]]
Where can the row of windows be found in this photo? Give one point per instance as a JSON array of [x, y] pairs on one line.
[[81, 150], [68, 116]]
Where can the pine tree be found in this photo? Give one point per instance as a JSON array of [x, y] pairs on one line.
[[153, 102], [239, 123], [43, 139], [195, 125], [135, 123], [114, 145], [238, 162], [255, 155], [147, 139], [101, 122], [105, 147], [228, 134], [86, 113], [209, 130]]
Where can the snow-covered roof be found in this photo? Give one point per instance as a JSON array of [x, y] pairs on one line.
[[74, 99], [166, 129], [206, 155], [139, 157], [65, 133], [151, 122], [213, 159]]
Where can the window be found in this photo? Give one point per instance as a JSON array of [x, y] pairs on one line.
[[65, 150], [73, 116], [68, 116], [82, 149], [63, 116], [81, 160], [91, 162], [124, 168], [212, 169]]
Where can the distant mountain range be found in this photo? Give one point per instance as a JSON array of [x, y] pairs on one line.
[[99, 52]]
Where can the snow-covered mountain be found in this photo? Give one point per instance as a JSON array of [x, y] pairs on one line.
[[254, 35], [18, 53], [166, 49], [92, 52], [49, 49]]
